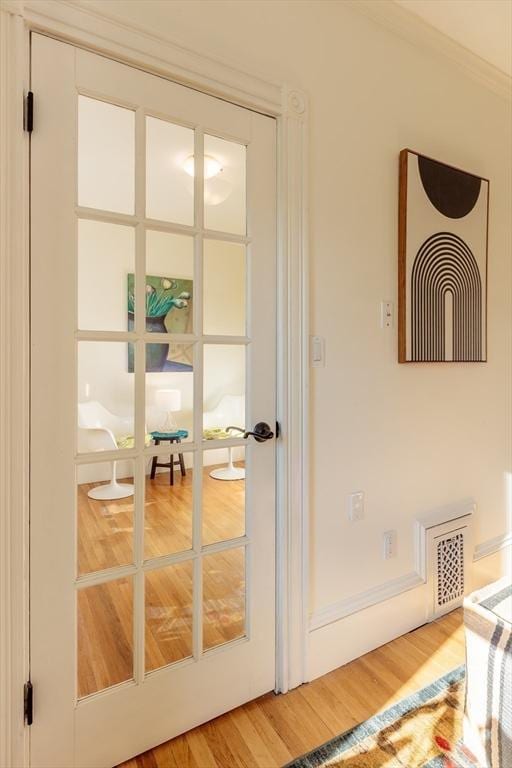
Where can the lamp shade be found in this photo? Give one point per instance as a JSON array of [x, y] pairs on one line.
[[168, 399]]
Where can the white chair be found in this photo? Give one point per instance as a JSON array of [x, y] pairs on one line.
[[229, 412], [100, 430]]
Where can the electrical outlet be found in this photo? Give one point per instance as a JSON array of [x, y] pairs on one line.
[[356, 506], [389, 544], [386, 314]]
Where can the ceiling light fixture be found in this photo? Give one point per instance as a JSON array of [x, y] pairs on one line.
[[212, 167]]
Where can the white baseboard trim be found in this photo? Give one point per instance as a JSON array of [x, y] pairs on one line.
[[347, 630], [338, 643], [491, 546], [350, 605]]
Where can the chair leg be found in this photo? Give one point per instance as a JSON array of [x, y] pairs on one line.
[[171, 469], [154, 462], [111, 490], [182, 464]]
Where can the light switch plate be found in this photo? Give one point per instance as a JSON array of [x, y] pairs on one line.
[[356, 506], [386, 314], [389, 545], [317, 351]]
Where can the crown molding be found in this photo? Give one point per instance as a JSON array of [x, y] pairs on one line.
[[161, 52], [415, 30]]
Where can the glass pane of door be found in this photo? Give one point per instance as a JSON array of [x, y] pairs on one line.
[[168, 596], [223, 597], [223, 389], [169, 282], [224, 185], [105, 504], [169, 175], [106, 412], [106, 156], [224, 274], [106, 259], [223, 494], [168, 505], [105, 635]]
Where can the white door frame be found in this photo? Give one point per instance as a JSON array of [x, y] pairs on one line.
[[78, 24]]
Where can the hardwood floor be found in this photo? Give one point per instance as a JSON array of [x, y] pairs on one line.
[[105, 611], [273, 730]]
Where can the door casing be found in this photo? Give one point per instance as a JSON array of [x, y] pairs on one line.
[[75, 24]]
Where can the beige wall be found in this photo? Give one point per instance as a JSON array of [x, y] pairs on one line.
[[412, 437]]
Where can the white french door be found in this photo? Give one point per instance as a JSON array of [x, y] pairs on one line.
[[153, 331]]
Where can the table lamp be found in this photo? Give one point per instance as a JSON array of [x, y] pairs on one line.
[[168, 400]]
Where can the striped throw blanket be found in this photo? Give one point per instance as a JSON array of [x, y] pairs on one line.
[[488, 711]]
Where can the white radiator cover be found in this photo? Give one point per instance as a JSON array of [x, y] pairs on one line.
[[445, 551]]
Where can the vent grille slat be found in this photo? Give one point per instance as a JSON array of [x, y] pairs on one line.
[[444, 555], [450, 569]]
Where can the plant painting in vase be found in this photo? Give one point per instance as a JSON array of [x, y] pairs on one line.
[[168, 310]]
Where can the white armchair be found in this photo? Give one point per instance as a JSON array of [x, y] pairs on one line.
[[229, 412], [101, 430]]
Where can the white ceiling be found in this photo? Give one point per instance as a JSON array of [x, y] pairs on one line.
[[483, 26]]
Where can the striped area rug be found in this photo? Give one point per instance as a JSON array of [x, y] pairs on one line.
[[421, 731]]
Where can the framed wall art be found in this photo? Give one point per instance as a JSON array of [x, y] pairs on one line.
[[169, 309], [442, 264]]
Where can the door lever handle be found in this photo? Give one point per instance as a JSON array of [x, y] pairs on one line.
[[261, 432]]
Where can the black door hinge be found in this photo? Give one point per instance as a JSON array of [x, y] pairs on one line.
[[29, 112], [28, 702], [278, 430]]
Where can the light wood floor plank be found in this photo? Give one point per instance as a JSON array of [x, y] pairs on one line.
[[331, 708], [272, 730], [200, 748], [295, 721], [175, 754], [248, 732], [239, 747], [268, 733], [216, 734]]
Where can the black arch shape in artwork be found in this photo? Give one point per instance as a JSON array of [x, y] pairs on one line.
[[444, 263], [429, 320], [452, 192], [430, 270]]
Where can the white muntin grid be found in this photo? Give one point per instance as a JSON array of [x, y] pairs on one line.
[[141, 453]]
